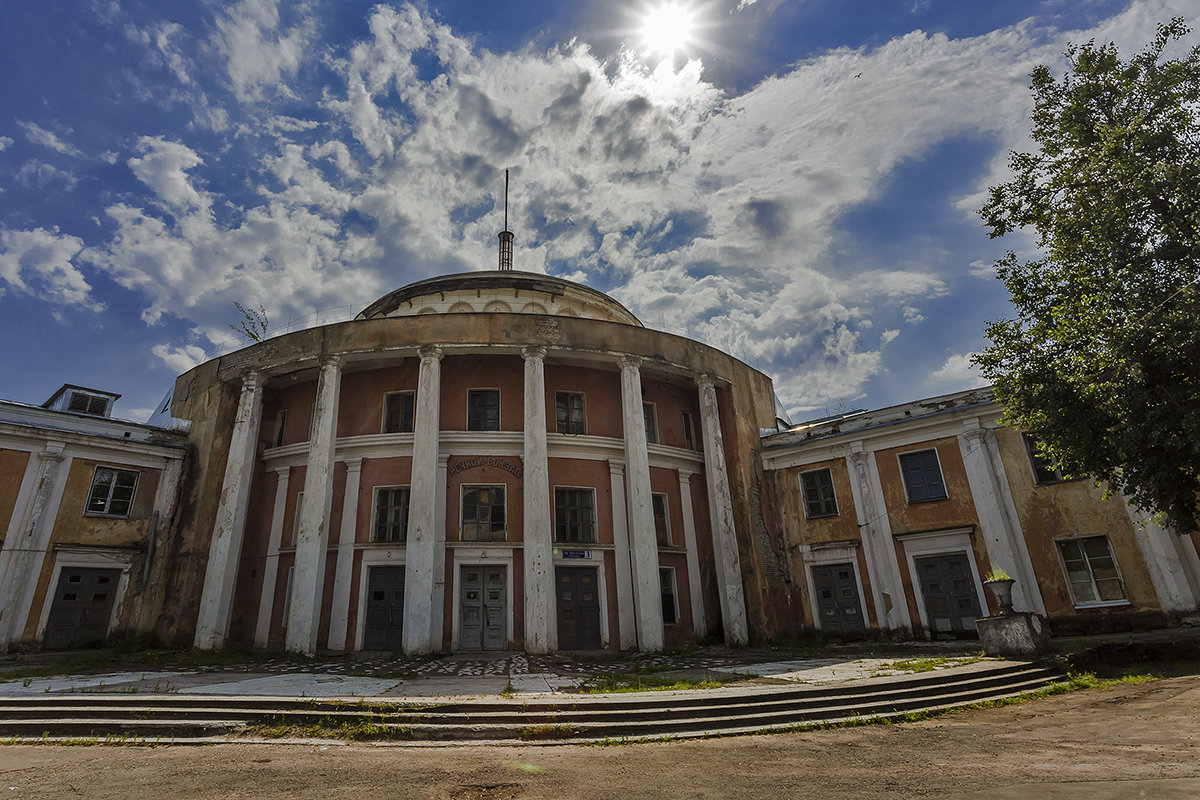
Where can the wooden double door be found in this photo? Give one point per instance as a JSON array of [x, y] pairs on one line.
[[578, 603], [483, 608]]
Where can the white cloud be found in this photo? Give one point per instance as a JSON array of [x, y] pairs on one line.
[[42, 175], [163, 167], [259, 56], [5, 143], [178, 359], [956, 374], [40, 263], [39, 135]]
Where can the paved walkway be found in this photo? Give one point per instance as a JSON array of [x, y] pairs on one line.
[[466, 675]]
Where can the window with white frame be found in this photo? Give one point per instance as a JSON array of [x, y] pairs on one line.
[[1044, 470], [651, 423], [296, 519], [399, 409], [670, 604], [574, 515], [662, 523], [819, 498], [922, 476], [569, 413], [391, 514], [483, 517], [483, 409], [1091, 570], [112, 492], [91, 404]]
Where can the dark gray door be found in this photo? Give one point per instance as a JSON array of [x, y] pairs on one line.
[[837, 600], [81, 608], [578, 608], [482, 609], [385, 608], [951, 603]]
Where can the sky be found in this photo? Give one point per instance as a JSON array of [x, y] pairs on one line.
[[793, 181]]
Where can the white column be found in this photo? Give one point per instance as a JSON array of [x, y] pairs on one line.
[[225, 550], [644, 541], [312, 535], [266, 603], [1167, 560], [891, 606], [1001, 531], [699, 624], [437, 614], [540, 620], [339, 616], [25, 545], [626, 613], [720, 503], [421, 549]]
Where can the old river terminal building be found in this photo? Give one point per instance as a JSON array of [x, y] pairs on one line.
[[499, 460]]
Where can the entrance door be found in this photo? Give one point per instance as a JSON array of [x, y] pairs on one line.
[[384, 616], [482, 608], [578, 608], [82, 607], [950, 600], [837, 600]]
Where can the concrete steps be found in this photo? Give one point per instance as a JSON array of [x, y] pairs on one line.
[[743, 708]]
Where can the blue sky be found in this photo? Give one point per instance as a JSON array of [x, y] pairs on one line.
[[797, 182]]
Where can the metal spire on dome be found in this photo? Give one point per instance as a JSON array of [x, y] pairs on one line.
[[506, 236]]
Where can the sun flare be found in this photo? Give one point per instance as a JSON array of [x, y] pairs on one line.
[[667, 29]]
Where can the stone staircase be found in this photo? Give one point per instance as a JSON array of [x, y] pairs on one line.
[[182, 718]]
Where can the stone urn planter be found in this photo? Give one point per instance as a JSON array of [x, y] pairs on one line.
[[1001, 588]]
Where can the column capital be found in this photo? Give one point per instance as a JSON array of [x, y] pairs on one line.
[[705, 381], [430, 352], [443, 461], [533, 351], [616, 466], [52, 452], [631, 362], [353, 464], [685, 476], [330, 360], [282, 471], [252, 380]]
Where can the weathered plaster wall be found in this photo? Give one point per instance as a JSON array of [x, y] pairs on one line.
[[12, 471]]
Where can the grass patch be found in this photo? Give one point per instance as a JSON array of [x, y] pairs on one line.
[[928, 664], [542, 732], [118, 659], [354, 731], [643, 682]]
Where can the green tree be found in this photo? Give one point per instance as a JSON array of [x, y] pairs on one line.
[[1103, 358]]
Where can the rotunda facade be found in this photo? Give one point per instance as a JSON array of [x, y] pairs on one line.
[[483, 461]]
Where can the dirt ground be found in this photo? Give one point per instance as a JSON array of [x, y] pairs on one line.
[[1131, 741]]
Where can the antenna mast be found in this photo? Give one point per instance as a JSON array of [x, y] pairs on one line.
[[506, 236]]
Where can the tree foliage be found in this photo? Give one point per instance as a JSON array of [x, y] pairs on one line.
[[1103, 358]]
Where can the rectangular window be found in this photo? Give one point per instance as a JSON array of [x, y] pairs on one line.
[[90, 404], [1091, 570], [483, 514], [296, 521], [651, 423], [287, 596], [1044, 471], [689, 431], [391, 514], [112, 492], [574, 515], [280, 424], [483, 409], [398, 412], [568, 412], [819, 499], [662, 525], [922, 476], [670, 609]]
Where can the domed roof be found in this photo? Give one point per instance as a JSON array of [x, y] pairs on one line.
[[507, 291]]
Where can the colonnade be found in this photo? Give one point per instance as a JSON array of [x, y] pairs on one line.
[[637, 588]]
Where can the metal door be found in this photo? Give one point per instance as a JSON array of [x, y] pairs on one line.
[[82, 607], [483, 604], [385, 608], [837, 600], [578, 608], [951, 603]]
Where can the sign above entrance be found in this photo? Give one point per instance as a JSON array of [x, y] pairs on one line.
[[576, 553], [471, 462]]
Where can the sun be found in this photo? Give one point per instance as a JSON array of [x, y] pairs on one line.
[[668, 28]]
